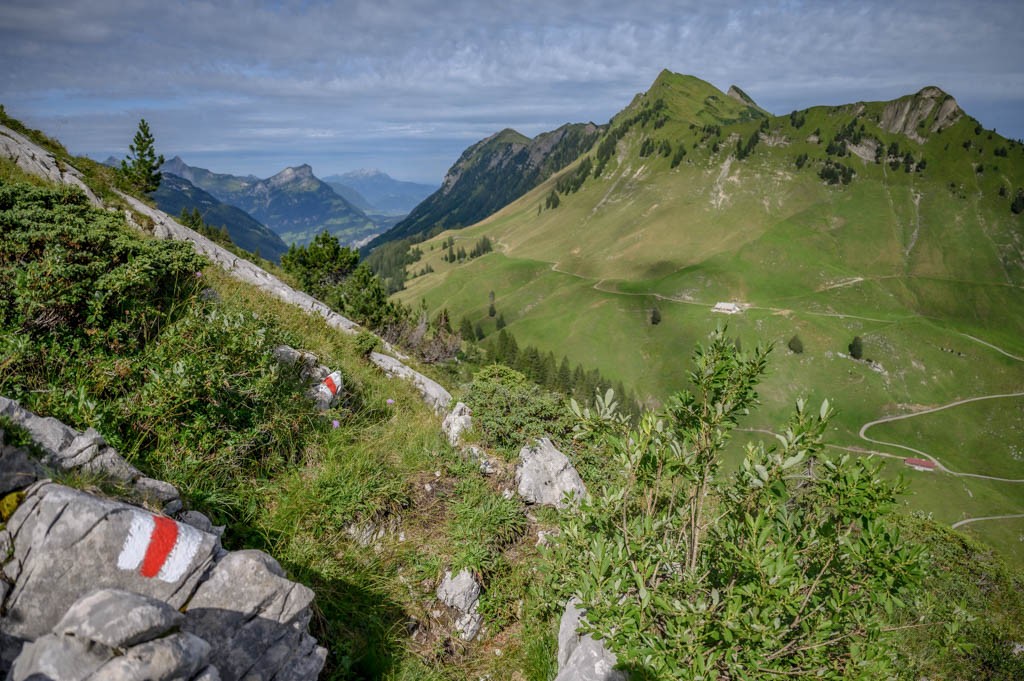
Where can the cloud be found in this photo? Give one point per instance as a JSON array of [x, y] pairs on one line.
[[274, 80]]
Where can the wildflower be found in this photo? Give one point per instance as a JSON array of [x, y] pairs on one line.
[[390, 401], [335, 424], [198, 275]]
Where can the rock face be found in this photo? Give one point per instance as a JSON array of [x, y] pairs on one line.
[[34, 159], [904, 115], [117, 636], [545, 476], [456, 423], [255, 619], [582, 658], [433, 393]]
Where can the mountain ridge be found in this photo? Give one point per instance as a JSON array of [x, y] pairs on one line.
[[489, 174], [293, 203]]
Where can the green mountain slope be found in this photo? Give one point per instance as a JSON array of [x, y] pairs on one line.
[[693, 198], [177, 193], [490, 174], [294, 203]]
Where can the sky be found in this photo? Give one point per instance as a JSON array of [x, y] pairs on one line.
[[406, 85]]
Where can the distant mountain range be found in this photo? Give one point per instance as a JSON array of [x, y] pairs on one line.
[[491, 174], [375, 192], [177, 193], [294, 203]]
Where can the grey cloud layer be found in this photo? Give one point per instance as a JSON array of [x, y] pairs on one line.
[[312, 78]]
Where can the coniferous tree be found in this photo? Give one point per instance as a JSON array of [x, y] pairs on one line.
[[141, 169], [491, 311], [856, 348], [466, 330]]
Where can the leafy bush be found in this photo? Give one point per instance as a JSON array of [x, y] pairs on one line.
[[509, 410], [792, 568], [795, 345]]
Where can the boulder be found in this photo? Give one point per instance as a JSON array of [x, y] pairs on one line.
[[460, 592], [328, 384], [456, 423], [115, 635], [582, 658], [255, 619], [65, 544], [545, 476]]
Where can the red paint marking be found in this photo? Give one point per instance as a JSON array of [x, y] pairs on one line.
[[329, 382], [165, 534]]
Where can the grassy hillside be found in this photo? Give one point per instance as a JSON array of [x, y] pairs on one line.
[[919, 255]]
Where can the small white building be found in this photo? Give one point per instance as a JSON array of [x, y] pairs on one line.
[[727, 308]]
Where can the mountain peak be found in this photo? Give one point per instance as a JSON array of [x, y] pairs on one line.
[[302, 172], [929, 104], [364, 174]]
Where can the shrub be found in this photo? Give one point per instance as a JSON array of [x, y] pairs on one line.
[[795, 345], [509, 410], [791, 568]]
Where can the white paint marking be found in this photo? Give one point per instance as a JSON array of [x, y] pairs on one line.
[[182, 554], [136, 543]]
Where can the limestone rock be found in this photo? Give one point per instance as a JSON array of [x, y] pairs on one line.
[[117, 618], [486, 464], [328, 384], [36, 160], [255, 619], [460, 592], [432, 391], [66, 449], [582, 658], [456, 423], [545, 476], [468, 625], [67, 544], [115, 635]]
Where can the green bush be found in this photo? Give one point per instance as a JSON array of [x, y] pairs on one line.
[[509, 410], [793, 568]]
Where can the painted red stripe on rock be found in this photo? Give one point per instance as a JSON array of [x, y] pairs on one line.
[[165, 535], [329, 382]]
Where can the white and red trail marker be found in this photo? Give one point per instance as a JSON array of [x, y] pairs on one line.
[[329, 387], [159, 547]]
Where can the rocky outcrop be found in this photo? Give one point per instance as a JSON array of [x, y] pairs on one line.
[[462, 592], [433, 392], [66, 449], [904, 115], [456, 423], [546, 476], [112, 635], [582, 658], [32, 158], [327, 384], [60, 546]]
